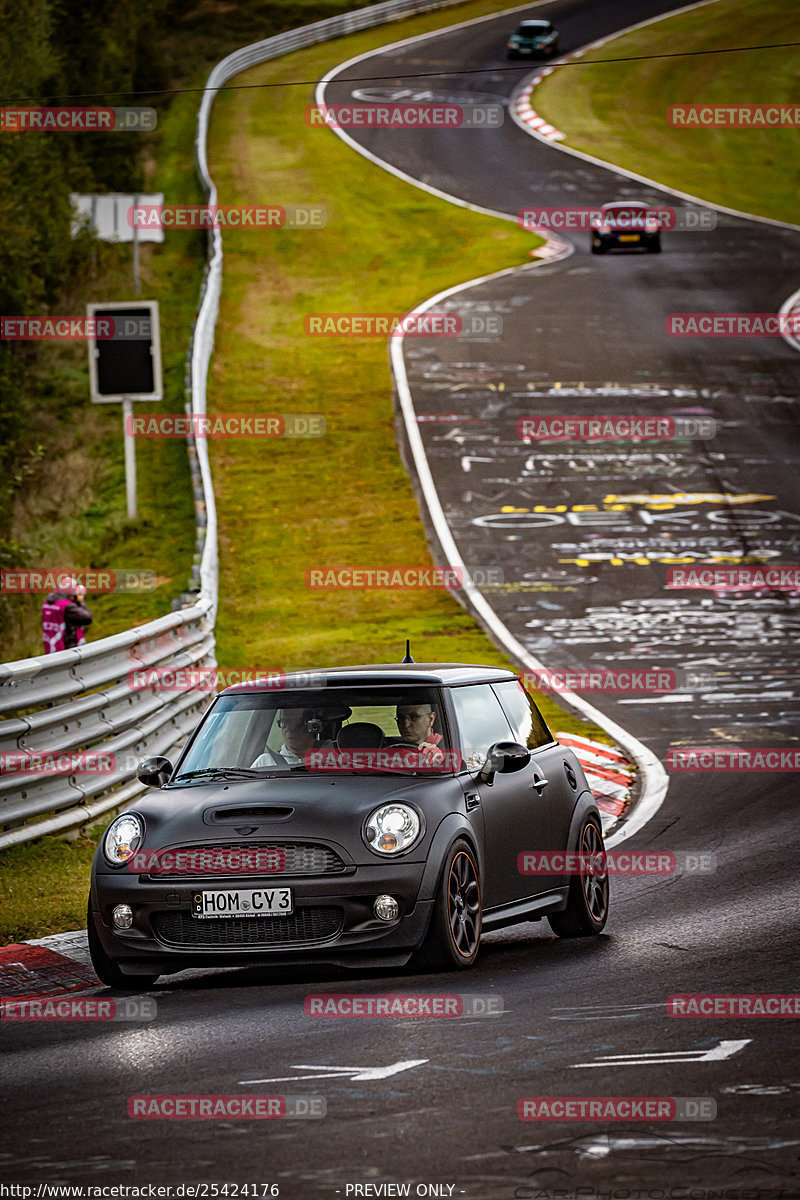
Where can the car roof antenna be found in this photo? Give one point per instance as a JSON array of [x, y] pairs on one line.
[[408, 658]]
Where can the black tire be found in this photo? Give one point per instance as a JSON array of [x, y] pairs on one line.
[[453, 939], [599, 248], [587, 902], [106, 970], [655, 246]]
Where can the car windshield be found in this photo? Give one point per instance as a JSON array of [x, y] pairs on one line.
[[636, 212], [532, 28], [332, 730]]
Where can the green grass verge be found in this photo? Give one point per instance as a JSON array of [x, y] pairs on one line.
[[44, 886], [616, 111]]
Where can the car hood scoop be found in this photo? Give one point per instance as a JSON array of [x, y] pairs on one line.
[[246, 815]]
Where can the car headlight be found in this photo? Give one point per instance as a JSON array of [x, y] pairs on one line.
[[392, 828], [123, 838]]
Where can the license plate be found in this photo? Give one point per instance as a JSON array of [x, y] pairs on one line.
[[242, 902], [629, 237]]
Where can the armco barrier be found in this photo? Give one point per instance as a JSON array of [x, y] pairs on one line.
[[79, 700]]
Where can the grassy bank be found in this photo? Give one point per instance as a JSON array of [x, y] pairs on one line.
[[44, 887], [616, 111]]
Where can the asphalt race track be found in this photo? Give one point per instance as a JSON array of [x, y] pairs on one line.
[[581, 535]]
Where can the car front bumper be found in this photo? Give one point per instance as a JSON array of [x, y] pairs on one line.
[[332, 920], [625, 241]]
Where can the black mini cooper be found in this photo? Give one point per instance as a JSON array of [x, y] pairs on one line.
[[362, 816]]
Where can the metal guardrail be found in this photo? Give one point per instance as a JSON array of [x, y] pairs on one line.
[[81, 700]]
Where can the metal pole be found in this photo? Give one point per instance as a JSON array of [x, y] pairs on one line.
[[130, 458], [137, 283]]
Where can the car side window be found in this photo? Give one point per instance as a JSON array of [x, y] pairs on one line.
[[481, 722], [526, 720]]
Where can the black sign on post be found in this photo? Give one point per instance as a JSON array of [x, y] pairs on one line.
[[125, 365], [125, 354]]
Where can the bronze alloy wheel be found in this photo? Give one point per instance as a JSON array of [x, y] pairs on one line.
[[454, 934], [594, 882], [464, 905], [586, 911]]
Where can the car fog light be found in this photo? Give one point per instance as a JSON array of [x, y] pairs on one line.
[[386, 908], [122, 916]]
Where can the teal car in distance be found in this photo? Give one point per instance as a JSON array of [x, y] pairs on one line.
[[532, 39]]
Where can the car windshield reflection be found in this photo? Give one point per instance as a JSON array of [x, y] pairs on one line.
[[387, 730]]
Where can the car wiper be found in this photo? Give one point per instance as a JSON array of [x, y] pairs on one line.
[[242, 772]]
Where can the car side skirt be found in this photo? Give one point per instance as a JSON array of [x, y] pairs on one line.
[[532, 909]]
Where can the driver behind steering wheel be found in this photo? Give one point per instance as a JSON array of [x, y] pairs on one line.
[[415, 723]]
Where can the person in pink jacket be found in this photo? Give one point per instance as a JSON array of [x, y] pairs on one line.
[[64, 618]]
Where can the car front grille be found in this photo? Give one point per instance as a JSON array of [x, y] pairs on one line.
[[306, 925], [302, 858]]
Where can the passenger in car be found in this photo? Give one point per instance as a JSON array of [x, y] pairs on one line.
[[297, 739]]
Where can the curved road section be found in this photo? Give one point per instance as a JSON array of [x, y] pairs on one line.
[[584, 535]]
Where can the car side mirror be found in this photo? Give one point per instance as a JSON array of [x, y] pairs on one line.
[[503, 758], [154, 772]]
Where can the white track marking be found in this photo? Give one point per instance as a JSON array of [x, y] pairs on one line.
[[354, 1073], [716, 1054]]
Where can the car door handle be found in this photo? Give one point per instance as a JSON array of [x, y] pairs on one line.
[[540, 783]]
